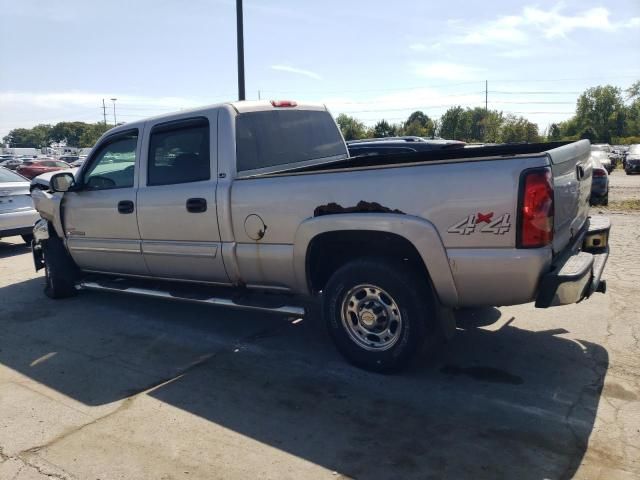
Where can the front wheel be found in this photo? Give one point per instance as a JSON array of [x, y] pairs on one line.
[[378, 313], [28, 238], [59, 270]]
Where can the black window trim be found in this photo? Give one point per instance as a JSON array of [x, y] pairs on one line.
[[108, 140], [176, 126]]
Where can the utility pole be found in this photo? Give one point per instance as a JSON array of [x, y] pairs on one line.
[[240, 33], [486, 95], [115, 122], [104, 111], [259, 95]]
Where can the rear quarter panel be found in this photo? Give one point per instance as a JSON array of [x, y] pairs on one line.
[[451, 195]]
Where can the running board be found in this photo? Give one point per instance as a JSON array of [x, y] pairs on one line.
[[196, 297]]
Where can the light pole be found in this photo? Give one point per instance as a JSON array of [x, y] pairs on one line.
[[240, 33], [114, 111]]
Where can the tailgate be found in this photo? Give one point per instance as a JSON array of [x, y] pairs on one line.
[[572, 189]]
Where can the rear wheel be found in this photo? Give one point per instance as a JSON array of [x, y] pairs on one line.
[[60, 272], [605, 200], [378, 313]]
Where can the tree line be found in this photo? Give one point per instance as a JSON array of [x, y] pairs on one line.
[[604, 114], [71, 134]]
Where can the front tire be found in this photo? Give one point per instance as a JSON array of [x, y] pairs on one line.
[[377, 313], [60, 272], [27, 238]]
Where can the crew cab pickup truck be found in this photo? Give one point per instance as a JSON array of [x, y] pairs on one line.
[[258, 205]]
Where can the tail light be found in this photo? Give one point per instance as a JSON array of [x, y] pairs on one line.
[[599, 173], [283, 103], [536, 209]]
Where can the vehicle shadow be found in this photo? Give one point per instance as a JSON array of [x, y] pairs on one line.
[[8, 249], [495, 404]]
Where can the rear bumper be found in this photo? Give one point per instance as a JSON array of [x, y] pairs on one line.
[[577, 273], [635, 167], [17, 223]]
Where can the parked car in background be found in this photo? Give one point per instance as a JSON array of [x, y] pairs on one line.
[[632, 160], [68, 158], [599, 181], [603, 151], [394, 145], [11, 163], [610, 162], [17, 215], [33, 168]]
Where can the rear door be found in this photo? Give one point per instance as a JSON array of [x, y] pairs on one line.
[[177, 200], [100, 218], [572, 172]]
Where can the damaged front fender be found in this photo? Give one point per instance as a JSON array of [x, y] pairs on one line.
[[40, 234]]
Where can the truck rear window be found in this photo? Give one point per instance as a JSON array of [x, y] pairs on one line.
[[281, 137]]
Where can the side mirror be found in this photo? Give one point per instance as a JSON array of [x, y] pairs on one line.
[[62, 182]]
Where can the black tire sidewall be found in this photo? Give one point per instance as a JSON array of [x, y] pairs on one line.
[[59, 270], [408, 291]]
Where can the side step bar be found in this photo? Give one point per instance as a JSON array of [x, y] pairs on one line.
[[199, 297]]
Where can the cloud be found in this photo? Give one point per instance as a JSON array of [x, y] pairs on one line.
[[534, 22], [634, 22], [445, 71], [297, 71]]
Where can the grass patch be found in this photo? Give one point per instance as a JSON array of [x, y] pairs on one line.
[[633, 205]]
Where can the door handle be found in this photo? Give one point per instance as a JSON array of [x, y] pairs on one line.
[[580, 172], [125, 206], [196, 205]]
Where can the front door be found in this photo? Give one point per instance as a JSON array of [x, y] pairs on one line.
[[100, 217], [177, 201]]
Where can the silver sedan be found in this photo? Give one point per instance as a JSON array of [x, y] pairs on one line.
[[17, 215]]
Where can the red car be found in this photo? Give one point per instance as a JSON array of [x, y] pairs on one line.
[[33, 168]]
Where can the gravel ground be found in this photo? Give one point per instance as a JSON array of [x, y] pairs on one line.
[[102, 386]]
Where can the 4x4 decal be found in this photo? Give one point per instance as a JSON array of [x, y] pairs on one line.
[[484, 222]]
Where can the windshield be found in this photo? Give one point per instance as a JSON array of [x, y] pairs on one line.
[[600, 148], [280, 137], [9, 176]]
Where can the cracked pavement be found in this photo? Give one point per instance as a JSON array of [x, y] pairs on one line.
[[103, 386]]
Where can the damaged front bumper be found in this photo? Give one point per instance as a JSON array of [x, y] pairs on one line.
[[577, 273], [40, 234]]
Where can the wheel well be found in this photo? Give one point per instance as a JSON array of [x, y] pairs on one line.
[[329, 251]]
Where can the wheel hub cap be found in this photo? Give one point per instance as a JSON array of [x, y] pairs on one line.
[[371, 317]]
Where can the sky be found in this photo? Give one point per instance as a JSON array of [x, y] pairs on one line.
[[370, 59]]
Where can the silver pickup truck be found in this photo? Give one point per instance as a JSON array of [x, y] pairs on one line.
[[258, 205]]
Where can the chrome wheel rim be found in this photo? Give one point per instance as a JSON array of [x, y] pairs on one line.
[[371, 317]]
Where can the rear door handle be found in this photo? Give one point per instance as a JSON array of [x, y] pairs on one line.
[[579, 172], [196, 205], [125, 207]]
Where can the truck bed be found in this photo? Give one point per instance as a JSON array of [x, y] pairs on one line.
[[468, 153]]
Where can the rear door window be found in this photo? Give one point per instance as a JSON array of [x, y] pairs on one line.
[[280, 137], [179, 153]]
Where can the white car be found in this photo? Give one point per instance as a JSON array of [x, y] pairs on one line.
[[17, 215]]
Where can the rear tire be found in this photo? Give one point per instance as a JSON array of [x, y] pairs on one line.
[[60, 272], [605, 200], [378, 313]]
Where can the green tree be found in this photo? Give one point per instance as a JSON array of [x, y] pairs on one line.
[[92, 133], [351, 128], [519, 129], [452, 123], [68, 133], [415, 129], [36, 137], [633, 92], [383, 129], [555, 133], [602, 109]]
